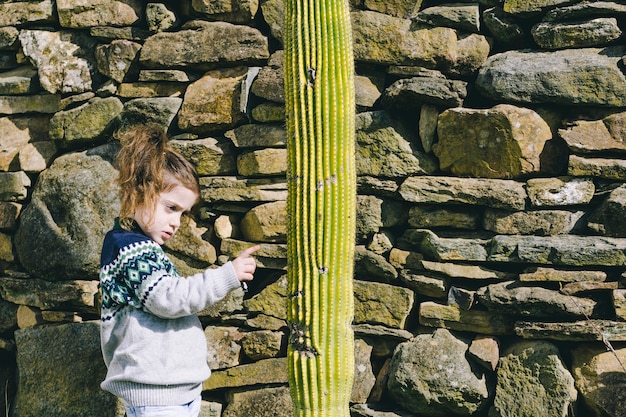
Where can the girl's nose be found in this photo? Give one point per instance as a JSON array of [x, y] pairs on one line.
[[175, 222]]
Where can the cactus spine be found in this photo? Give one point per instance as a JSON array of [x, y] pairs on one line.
[[320, 104]]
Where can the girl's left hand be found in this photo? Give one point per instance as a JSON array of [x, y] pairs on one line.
[[245, 265]]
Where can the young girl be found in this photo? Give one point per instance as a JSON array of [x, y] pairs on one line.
[[152, 341]]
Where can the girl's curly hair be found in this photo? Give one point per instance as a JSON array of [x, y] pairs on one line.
[[148, 166]]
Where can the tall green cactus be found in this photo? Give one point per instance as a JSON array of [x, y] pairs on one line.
[[320, 104]]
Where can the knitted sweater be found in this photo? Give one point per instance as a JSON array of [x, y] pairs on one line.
[[152, 341]]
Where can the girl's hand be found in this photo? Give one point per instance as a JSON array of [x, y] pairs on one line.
[[245, 265]]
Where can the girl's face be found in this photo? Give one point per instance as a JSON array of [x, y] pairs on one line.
[[163, 221]]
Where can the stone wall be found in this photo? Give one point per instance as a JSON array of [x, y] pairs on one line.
[[491, 242]]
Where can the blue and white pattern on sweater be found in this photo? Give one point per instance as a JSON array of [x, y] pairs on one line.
[[127, 279]]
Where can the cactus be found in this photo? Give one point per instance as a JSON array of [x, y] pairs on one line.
[[320, 107]]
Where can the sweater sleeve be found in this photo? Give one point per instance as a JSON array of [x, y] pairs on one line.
[[175, 296], [164, 293]]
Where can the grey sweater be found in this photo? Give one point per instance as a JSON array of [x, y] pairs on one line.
[[152, 341]]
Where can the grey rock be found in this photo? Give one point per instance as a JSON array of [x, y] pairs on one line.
[[158, 110], [412, 92], [238, 11], [364, 378], [607, 218], [46, 295], [585, 9], [215, 102], [14, 186], [432, 216], [263, 344], [260, 402], [607, 168], [599, 376], [590, 137], [591, 33], [555, 77], [39, 103], [429, 116], [224, 348], [116, 59], [8, 37], [586, 330], [385, 148], [495, 193], [160, 18], [538, 370], [398, 8], [262, 162], [430, 47], [448, 386], [502, 26], [452, 317], [527, 301], [205, 45], [64, 60], [266, 223], [274, 15], [258, 135], [267, 371], [527, 9], [209, 156], [425, 284], [89, 123], [369, 266], [461, 16], [8, 315], [368, 90], [443, 248], [18, 13], [21, 80], [560, 191], [377, 303], [567, 250], [269, 83], [73, 206], [541, 222], [503, 142], [73, 363], [78, 14]]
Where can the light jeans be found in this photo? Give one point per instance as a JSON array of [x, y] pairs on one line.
[[186, 410]]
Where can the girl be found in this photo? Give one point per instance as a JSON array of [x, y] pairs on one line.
[[152, 341]]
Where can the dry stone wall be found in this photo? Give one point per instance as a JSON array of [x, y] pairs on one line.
[[490, 270]]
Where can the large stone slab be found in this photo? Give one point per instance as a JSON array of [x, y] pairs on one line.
[[60, 368], [561, 77], [64, 59], [495, 193], [447, 386], [568, 250], [521, 299], [80, 14], [576, 331], [599, 375], [383, 39], [215, 102], [588, 33], [20, 12], [504, 141], [385, 148], [536, 369], [205, 45], [72, 207], [432, 314]]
